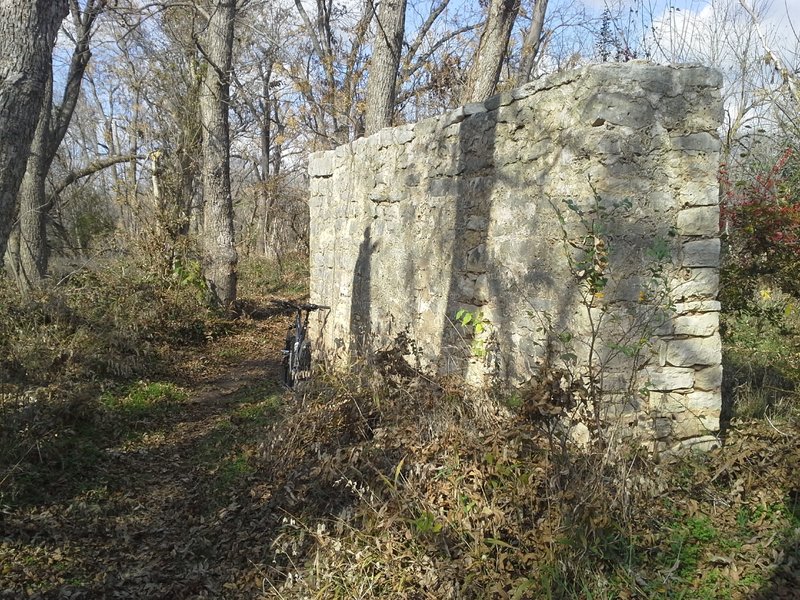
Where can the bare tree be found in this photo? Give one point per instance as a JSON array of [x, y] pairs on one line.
[[485, 70], [28, 30], [384, 65], [219, 248], [532, 44], [29, 259]]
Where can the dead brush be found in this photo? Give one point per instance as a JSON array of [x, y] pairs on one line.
[[418, 489], [597, 495]]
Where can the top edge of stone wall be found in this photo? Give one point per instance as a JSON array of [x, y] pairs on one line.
[[651, 76]]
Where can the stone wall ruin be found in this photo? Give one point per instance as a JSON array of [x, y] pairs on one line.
[[576, 217]]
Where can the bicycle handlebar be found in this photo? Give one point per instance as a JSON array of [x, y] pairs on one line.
[[285, 304]]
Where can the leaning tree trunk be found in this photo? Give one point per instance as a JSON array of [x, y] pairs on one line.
[[219, 250], [532, 45], [28, 31], [384, 65], [31, 247], [484, 73], [34, 202]]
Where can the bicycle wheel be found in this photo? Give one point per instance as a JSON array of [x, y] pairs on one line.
[[289, 361], [304, 362]]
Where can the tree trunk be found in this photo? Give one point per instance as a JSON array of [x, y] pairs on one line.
[[31, 252], [384, 65], [220, 257], [34, 202], [533, 42], [28, 31], [485, 70]]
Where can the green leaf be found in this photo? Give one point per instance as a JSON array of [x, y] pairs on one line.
[[525, 586], [569, 357]]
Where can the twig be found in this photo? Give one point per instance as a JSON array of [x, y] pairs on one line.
[[771, 424]]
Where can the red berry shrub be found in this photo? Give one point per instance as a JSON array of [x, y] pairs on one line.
[[760, 218]]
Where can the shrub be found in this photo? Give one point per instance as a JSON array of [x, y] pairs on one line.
[[761, 223]]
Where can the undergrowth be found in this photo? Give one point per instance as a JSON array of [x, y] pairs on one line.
[[380, 483], [431, 494], [91, 359]]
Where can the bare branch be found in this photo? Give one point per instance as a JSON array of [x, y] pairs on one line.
[[93, 168]]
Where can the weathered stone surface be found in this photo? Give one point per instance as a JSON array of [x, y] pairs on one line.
[[664, 379], [701, 221], [478, 210], [697, 306], [709, 378], [320, 164], [702, 401], [695, 283], [694, 351], [702, 325], [701, 253], [670, 403], [618, 109], [697, 142], [695, 193], [703, 443], [689, 425]]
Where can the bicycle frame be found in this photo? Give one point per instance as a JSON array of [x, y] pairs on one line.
[[297, 352]]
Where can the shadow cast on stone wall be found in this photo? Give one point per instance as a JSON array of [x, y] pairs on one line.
[[509, 208], [361, 299]]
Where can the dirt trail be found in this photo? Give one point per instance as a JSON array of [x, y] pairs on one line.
[[178, 510]]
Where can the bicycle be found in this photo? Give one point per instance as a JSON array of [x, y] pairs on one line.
[[297, 352]]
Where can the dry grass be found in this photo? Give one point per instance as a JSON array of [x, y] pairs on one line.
[[199, 477]]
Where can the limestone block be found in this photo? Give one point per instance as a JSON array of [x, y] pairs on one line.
[[703, 221], [662, 200], [690, 425], [403, 134], [477, 223], [703, 443], [694, 351], [321, 164], [619, 109], [709, 378], [697, 142], [483, 292], [412, 179], [507, 113], [476, 161], [697, 306], [532, 152], [666, 379], [499, 100], [474, 108], [466, 289], [701, 325], [701, 253], [662, 427], [659, 84], [669, 403], [695, 283], [476, 259], [698, 76], [704, 401], [452, 118], [697, 193], [440, 186]]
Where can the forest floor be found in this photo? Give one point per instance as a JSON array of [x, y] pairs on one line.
[[213, 481], [162, 502]]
